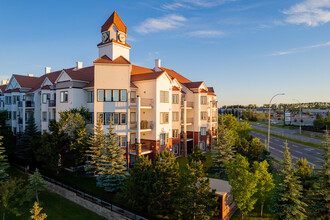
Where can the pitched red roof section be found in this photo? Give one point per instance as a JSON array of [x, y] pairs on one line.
[[176, 75], [106, 59], [114, 41], [203, 91], [84, 74], [3, 87], [211, 90], [114, 19], [12, 90], [26, 81], [193, 85], [133, 85], [174, 88], [146, 76], [91, 84], [140, 70], [45, 87]]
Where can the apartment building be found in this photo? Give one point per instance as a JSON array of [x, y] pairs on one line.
[[152, 109]]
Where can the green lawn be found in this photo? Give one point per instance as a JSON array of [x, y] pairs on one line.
[[255, 214], [183, 161], [55, 206]]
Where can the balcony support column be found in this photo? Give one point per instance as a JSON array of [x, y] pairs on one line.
[[185, 128], [23, 115], [138, 129]]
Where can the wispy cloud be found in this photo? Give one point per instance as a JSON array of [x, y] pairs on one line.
[[176, 4], [206, 33], [300, 49], [167, 22], [310, 12]]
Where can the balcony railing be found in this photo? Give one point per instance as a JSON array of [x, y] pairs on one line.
[[133, 100], [28, 104], [52, 103], [144, 148], [133, 125], [190, 104], [147, 102], [146, 124]]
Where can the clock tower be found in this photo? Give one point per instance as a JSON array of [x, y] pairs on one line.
[[114, 34]]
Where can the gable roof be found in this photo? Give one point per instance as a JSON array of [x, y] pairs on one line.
[[192, 85], [26, 81], [3, 87], [118, 60], [114, 19], [176, 75], [146, 76], [84, 74]]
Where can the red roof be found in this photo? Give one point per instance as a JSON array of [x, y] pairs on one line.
[[114, 19], [91, 84], [192, 85], [210, 89], [84, 74], [114, 41], [176, 75], [45, 87], [133, 85], [174, 88], [106, 59], [12, 90], [203, 91], [3, 87], [146, 76], [26, 81]]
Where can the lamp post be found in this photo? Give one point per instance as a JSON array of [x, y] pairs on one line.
[[269, 115], [300, 114]]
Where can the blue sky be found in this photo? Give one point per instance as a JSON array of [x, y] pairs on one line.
[[247, 50]]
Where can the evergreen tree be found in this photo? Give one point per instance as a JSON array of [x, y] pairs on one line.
[[287, 198], [137, 187], [96, 142], [111, 166], [265, 182], [197, 155], [12, 196], [222, 150], [320, 193], [243, 183], [164, 190], [36, 212], [305, 174], [197, 201], [36, 183], [3, 163]]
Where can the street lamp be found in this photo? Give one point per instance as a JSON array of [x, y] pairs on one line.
[[300, 114], [269, 115]]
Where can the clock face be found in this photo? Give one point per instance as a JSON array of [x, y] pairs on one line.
[[105, 37], [121, 37]]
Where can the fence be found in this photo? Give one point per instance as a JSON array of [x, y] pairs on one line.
[[80, 193]]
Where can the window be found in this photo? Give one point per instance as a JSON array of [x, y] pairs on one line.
[[175, 148], [122, 141], [133, 96], [164, 96], [107, 118], [175, 116], [203, 115], [91, 120], [90, 96], [163, 138], [175, 133], [203, 100], [202, 145], [132, 138], [175, 99], [8, 100], [203, 130], [116, 95], [44, 116], [107, 97], [100, 95], [115, 118], [123, 118], [123, 95], [14, 115], [9, 115], [15, 99], [164, 117], [45, 97], [64, 96]]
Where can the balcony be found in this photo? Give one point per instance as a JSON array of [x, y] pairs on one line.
[[214, 104], [133, 101], [189, 121], [214, 119], [146, 125], [145, 149], [133, 125], [189, 105], [28, 104], [52, 103], [147, 103]]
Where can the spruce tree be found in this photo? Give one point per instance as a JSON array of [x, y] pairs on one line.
[[222, 150], [111, 166], [164, 190], [3, 163], [197, 200], [243, 183], [96, 142], [36, 183], [287, 197], [265, 182], [320, 193]]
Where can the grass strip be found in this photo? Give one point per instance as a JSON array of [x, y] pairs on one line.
[[289, 139]]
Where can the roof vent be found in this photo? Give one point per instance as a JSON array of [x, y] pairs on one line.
[[4, 82], [79, 65], [30, 75], [157, 65], [47, 70]]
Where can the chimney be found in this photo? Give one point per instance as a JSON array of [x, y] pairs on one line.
[[79, 65], [47, 70], [3, 82], [30, 75], [157, 65]]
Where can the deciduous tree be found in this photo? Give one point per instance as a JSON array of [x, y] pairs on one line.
[[36, 212], [3, 163]]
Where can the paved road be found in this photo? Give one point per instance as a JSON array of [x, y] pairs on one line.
[[276, 148], [288, 133]]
